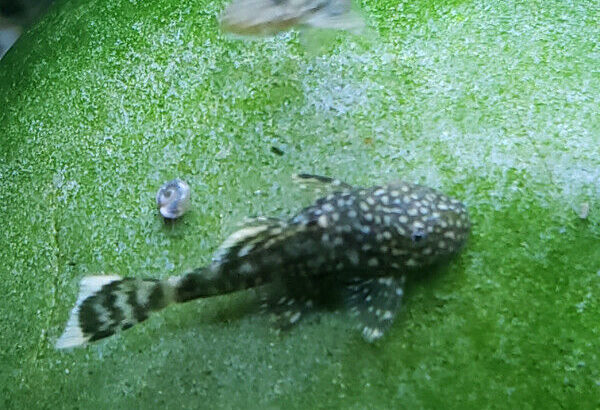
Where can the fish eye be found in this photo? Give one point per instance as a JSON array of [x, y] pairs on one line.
[[418, 236]]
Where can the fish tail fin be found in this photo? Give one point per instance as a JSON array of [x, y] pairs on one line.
[[107, 304], [337, 15]]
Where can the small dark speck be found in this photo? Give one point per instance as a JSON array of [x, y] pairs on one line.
[[276, 150], [71, 263]]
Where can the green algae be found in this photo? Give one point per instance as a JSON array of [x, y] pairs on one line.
[[493, 103]]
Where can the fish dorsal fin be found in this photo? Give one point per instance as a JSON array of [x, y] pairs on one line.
[[252, 234], [320, 185]]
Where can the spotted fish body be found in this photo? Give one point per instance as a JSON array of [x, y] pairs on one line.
[[357, 245]]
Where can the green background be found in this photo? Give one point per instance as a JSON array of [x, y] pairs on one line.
[[496, 103]]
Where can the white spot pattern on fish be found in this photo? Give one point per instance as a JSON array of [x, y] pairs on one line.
[[354, 242]]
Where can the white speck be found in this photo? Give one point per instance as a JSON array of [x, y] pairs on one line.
[[398, 252], [322, 221], [418, 225], [371, 334], [327, 207], [246, 267], [353, 257], [385, 281], [584, 210], [449, 235], [245, 250]]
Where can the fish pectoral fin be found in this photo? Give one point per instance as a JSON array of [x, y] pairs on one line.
[[375, 302], [286, 311]]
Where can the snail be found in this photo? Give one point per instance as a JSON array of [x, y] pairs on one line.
[[173, 199]]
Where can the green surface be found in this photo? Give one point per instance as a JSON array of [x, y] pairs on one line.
[[493, 102]]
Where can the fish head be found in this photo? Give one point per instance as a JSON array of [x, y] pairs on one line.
[[432, 226]]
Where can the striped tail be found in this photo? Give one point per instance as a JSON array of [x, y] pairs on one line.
[[108, 304]]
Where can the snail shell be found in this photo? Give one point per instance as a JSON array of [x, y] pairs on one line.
[[173, 199]]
